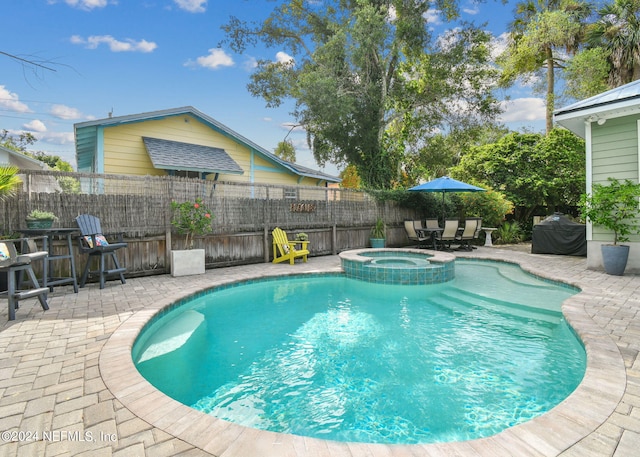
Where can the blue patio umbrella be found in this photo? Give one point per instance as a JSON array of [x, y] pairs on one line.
[[446, 184]]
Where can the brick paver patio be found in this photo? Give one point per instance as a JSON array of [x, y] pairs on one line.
[[56, 366]]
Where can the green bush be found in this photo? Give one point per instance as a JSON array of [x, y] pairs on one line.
[[491, 206], [509, 233], [191, 218]]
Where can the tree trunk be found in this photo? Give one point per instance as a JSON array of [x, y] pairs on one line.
[[550, 89]]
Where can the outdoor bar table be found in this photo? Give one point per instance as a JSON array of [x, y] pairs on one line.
[[48, 236]]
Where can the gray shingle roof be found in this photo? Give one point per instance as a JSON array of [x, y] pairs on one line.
[[174, 155]]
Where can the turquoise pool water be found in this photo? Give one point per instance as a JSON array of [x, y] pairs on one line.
[[348, 360]]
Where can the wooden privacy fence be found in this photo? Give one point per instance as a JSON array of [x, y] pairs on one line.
[[244, 215]]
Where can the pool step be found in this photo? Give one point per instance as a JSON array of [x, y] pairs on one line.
[[512, 273], [462, 301]]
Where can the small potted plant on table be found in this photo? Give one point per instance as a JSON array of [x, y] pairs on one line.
[[189, 219], [38, 219], [614, 207]]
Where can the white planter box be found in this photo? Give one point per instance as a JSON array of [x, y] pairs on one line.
[[187, 262]]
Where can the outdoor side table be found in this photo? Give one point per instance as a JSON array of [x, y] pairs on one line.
[[488, 231], [50, 235]]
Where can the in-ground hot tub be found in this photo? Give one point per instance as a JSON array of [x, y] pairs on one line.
[[398, 266]]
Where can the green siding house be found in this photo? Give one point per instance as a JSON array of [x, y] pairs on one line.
[[610, 124]]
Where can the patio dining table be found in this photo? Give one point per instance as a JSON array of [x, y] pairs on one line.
[[430, 232]]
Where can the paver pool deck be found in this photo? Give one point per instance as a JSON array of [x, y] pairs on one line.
[[68, 386]]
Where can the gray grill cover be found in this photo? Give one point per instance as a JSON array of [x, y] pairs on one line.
[[557, 234]]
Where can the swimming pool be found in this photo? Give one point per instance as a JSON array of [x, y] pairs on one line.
[[330, 339]]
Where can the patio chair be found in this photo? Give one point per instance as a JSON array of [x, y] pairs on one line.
[[449, 234], [30, 250], [283, 249], [12, 263], [413, 235], [96, 244], [432, 223], [478, 231], [469, 232]]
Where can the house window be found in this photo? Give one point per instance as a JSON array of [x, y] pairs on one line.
[[290, 193], [188, 174]]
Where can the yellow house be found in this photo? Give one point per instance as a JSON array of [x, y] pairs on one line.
[[183, 142]]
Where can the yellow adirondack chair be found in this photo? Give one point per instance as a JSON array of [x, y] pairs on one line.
[[283, 249]]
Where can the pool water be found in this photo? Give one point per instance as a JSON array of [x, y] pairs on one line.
[[337, 358], [390, 259]]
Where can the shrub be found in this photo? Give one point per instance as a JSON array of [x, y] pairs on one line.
[[509, 233], [191, 218], [491, 206]]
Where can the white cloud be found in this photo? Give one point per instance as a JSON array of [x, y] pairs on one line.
[[392, 14], [35, 125], [250, 63], [61, 138], [523, 109], [10, 101], [84, 4], [283, 57], [215, 59], [499, 44], [432, 17], [192, 6], [472, 10], [292, 127], [65, 112], [127, 45]]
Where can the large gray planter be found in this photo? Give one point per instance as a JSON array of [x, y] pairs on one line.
[[614, 258], [187, 262]]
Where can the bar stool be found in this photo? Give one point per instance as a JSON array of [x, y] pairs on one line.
[[12, 263], [30, 250]]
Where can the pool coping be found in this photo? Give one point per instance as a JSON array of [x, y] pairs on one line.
[[434, 256], [576, 417]]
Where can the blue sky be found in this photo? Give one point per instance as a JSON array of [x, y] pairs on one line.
[[133, 56]]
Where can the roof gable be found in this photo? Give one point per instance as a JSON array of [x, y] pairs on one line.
[[21, 160], [87, 137]]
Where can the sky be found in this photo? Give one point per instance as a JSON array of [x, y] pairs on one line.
[[133, 56]]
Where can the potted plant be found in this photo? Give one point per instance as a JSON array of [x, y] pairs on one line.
[[189, 219], [38, 219], [615, 207], [378, 234], [302, 237]]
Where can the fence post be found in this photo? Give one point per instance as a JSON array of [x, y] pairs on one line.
[[334, 239], [265, 240], [167, 250]]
